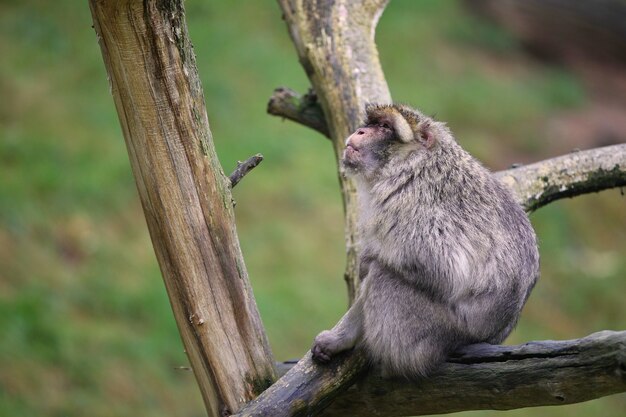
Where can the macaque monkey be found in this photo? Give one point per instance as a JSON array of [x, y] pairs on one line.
[[448, 257]]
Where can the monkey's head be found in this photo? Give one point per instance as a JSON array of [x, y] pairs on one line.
[[389, 131]]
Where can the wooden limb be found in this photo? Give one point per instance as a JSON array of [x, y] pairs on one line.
[[307, 388], [243, 168], [569, 175], [335, 45], [185, 197], [303, 109], [481, 377]]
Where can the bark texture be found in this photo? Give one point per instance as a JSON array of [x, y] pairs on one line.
[[335, 45], [188, 206], [185, 196], [483, 376], [304, 109], [243, 168], [306, 388], [570, 175]]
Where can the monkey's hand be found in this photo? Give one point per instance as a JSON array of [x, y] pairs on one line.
[[326, 345]]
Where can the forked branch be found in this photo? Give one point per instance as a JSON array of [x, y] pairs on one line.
[[306, 389], [335, 45]]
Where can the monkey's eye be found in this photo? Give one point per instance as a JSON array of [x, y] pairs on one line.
[[385, 125]]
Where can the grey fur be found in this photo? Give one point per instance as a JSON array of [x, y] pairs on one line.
[[448, 257]]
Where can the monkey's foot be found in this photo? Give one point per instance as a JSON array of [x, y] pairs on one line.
[[325, 346]]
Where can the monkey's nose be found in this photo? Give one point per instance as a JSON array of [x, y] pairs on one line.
[[350, 144]]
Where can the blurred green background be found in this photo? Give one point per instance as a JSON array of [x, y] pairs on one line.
[[86, 324]]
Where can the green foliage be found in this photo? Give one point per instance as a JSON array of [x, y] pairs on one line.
[[86, 323]]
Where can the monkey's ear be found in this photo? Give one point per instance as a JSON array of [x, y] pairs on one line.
[[402, 127], [425, 135]]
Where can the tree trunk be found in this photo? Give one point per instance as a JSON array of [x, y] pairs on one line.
[[335, 44], [185, 196]]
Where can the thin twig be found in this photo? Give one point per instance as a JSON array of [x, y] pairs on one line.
[[243, 168]]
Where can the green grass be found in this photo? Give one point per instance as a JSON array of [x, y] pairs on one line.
[[87, 326]]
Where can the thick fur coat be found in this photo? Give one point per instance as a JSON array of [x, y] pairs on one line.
[[448, 258]]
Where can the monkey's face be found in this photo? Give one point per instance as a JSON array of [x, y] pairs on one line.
[[390, 130], [368, 147]]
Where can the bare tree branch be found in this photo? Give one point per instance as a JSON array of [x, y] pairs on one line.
[[335, 45], [243, 168], [307, 388], [535, 185], [303, 109], [477, 377], [567, 176], [481, 377]]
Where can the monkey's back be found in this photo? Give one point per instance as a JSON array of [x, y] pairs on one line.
[[452, 259]]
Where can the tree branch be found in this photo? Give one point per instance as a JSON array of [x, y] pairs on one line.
[[307, 388], [569, 175], [483, 376], [303, 109], [243, 168], [335, 45]]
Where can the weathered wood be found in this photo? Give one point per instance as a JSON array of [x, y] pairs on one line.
[[569, 175], [490, 377], [304, 109], [308, 388], [185, 196], [335, 45]]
